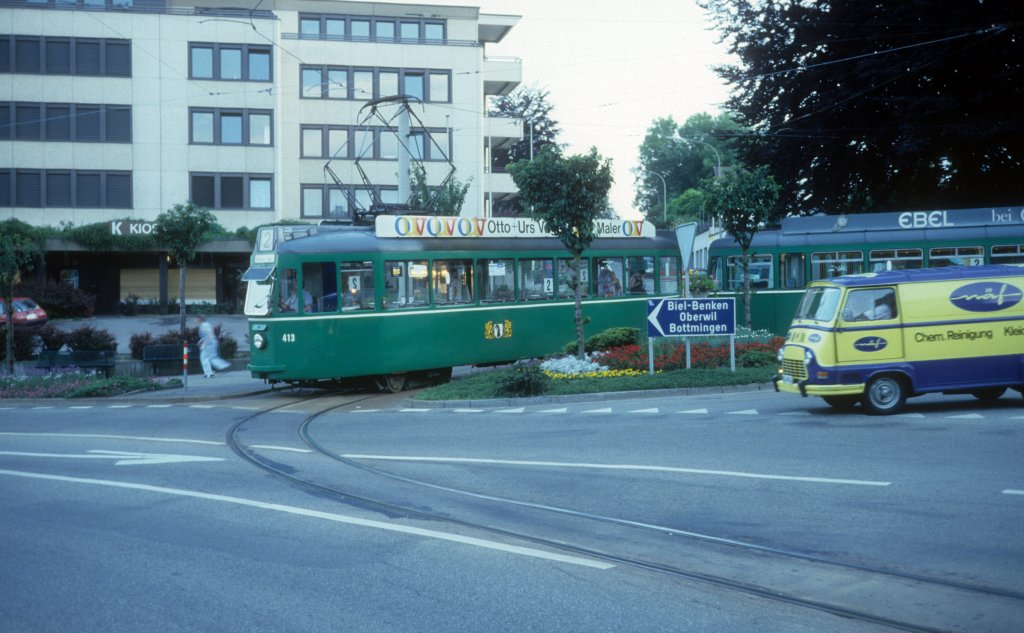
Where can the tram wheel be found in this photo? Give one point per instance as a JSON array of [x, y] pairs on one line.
[[990, 393], [392, 383]]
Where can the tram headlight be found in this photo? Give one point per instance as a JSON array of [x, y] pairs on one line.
[[259, 340]]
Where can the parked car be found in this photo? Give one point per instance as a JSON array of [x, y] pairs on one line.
[[26, 312]]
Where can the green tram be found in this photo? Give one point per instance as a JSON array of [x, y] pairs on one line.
[[808, 248], [416, 296]]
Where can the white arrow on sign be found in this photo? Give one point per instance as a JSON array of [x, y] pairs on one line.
[[124, 458], [652, 318]]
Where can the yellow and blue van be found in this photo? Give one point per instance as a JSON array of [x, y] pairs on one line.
[[882, 337]]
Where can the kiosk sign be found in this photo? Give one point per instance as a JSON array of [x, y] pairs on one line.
[[691, 317]]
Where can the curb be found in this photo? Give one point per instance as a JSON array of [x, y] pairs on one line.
[[584, 397]]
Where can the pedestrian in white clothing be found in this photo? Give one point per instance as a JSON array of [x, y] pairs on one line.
[[209, 349]]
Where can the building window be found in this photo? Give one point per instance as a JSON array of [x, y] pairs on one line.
[[361, 84], [232, 191], [230, 127], [312, 143], [66, 56], [57, 188], [325, 201], [369, 29], [229, 62], [27, 122], [74, 122]]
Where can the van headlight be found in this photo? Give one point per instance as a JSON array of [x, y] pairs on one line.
[[259, 340], [808, 357]]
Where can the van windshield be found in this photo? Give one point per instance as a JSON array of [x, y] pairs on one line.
[[819, 304]]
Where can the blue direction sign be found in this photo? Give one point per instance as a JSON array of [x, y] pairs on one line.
[[691, 317]]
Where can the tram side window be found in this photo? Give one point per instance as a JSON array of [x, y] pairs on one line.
[[1008, 254], [835, 264], [567, 278], [288, 293], [956, 256], [895, 259], [536, 279], [791, 268], [357, 289], [318, 284], [759, 270], [641, 275], [668, 275], [608, 271], [453, 281], [497, 280], [407, 284]]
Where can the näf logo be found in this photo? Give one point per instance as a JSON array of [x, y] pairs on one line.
[[986, 296], [870, 344]]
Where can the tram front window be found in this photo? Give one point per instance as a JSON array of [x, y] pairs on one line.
[[320, 283], [288, 293]]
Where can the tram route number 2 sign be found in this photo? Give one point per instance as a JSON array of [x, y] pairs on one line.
[[691, 317]]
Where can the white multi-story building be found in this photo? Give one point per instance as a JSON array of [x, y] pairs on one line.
[[116, 109]]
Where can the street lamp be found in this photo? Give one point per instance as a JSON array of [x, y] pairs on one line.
[[664, 196]]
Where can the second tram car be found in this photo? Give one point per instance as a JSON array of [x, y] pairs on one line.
[[418, 296], [812, 248]]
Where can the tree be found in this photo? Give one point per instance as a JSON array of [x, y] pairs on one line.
[[530, 105], [447, 200], [862, 106], [684, 155], [743, 201], [19, 249], [567, 194], [181, 230]]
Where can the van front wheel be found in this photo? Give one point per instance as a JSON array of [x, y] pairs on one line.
[[989, 393], [885, 395]]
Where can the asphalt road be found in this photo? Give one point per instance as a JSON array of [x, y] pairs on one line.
[[146, 517]]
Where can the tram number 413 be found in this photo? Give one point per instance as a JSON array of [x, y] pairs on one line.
[[288, 337]]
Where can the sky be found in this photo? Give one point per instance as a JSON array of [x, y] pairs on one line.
[[612, 68]]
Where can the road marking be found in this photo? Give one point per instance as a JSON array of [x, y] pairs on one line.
[[158, 406], [796, 413], [364, 411], [124, 458], [558, 410], [413, 410], [326, 516], [467, 410], [1013, 492], [967, 416], [516, 410], [909, 415], [238, 408], [604, 410], [694, 411], [661, 469], [281, 448], [744, 412], [81, 406], [116, 437], [37, 408], [120, 406], [201, 406], [654, 410]]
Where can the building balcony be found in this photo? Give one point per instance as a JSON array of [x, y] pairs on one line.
[[501, 75], [504, 132]]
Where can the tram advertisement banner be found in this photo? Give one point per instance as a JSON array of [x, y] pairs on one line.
[[691, 317], [429, 226]]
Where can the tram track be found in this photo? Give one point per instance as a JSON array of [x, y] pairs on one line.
[[836, 574]]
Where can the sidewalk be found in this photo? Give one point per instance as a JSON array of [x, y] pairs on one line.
[[123, 327], [235, 383]]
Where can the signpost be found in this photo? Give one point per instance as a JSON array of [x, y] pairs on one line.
[[712, 316]]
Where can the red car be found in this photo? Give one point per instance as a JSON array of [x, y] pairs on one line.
[[26, 312]]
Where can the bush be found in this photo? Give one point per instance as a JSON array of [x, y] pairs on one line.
[[59, 301], [756, 358], [670, 354], [522, 380], [25, 342], [139, 341], [608, 339], [89, 338], [52, 338]]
